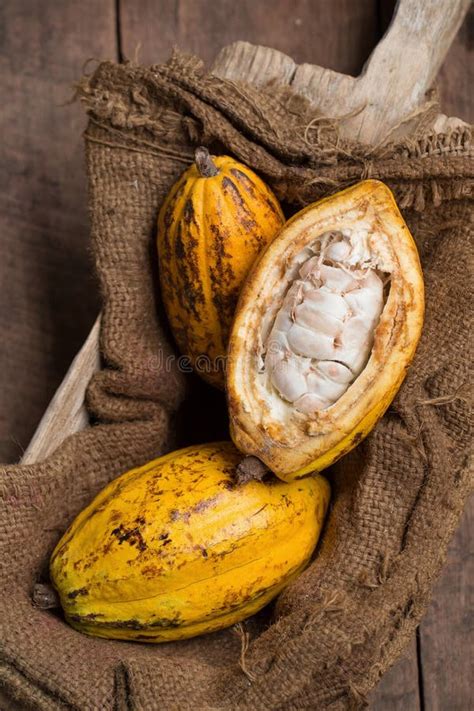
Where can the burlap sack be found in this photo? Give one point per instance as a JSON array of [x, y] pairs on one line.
[[397, 498]]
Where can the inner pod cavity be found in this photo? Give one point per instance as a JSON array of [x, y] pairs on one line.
[[323, 333]]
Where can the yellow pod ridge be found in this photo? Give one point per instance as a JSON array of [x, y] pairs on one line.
[[177, 548], [325, 328], [213, 224]]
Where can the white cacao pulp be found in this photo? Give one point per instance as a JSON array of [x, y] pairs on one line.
[[323, 333]]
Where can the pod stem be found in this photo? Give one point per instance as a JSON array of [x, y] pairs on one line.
[[204, 162], [45, 596], [251, 469]]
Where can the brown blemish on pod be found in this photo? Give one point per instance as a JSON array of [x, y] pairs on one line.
[[82, 592]]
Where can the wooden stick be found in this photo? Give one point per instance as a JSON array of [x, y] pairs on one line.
[[66, 412], [393, 83]]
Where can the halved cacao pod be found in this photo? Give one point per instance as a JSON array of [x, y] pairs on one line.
[[213, 224], [325, 328], [180, 547]]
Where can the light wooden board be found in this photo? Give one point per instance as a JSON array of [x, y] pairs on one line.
[[66, 411], [397, 76], [378, 103]]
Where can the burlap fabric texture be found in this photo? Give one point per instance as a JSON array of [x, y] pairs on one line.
[[396, 499]]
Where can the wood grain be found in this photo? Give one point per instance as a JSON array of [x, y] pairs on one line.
[[398, 689], [377, 103], [339, 34], [48, 296], [456, 77], [446, 632]]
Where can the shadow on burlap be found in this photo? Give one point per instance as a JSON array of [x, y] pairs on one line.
[[396, 499]]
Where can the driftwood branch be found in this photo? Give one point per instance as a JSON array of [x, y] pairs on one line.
[[392, 85]]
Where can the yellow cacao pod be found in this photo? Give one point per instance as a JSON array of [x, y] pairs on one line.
[[325, 328], [213, 224], [178, 547]]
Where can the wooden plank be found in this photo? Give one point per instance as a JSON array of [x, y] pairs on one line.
[[338, 34], [446, 632], [48, 296], [377, 103], [456, 78], [398, 689]]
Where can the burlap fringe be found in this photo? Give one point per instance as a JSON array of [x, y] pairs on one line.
[[244, 636], [136, 121]]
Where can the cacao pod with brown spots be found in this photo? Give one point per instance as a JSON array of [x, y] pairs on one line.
[[213, 224], [180, 547]]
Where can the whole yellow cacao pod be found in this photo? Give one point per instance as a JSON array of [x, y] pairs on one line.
[[325, 328], [213, 224], [178, 547]]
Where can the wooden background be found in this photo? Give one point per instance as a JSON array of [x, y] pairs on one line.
[[48, 294]]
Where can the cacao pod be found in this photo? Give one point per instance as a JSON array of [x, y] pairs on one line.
[[179, 547], [325, 328], [214, 222]]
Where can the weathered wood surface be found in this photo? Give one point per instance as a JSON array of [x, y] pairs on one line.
[[397, 76], [47, 293], [456, 77], [399, 688], [338, 38], [339, 34], [446, 632]]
